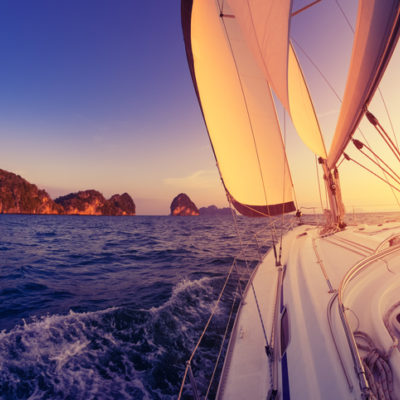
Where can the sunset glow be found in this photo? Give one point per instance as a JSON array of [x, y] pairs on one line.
[[98, 95]]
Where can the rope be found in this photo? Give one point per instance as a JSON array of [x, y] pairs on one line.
[[377, 367]]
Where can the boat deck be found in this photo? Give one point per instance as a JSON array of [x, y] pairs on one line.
[[317, 362]]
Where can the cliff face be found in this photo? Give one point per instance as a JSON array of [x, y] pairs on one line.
[[92, 202], [213, 211], [182, 205], [87, 202], [123, 204], [18, 196]]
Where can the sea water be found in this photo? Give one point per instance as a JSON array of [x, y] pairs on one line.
[[112, 307]]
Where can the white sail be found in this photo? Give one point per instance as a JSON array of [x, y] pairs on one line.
[[302, 110], [265, 27], [374, 41], [239, 111]]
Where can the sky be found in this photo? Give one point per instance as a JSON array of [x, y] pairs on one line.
[[97, 94]]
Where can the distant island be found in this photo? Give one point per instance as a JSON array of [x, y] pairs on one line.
[[214, 210], [182, 206], [18, 196]]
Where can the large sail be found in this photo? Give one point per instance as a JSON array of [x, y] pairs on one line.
[[238, 109], [376, 34], [265, 26], [301, 108]]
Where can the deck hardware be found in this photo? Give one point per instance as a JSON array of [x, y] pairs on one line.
[[270, 351], [272, 394]]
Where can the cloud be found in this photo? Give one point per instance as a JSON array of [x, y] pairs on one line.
[[199, 179], [328, 113]]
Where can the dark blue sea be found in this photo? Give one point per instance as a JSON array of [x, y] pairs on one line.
[[112, 307]]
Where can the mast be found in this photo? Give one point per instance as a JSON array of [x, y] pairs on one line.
[[376, 34], [332, 184]]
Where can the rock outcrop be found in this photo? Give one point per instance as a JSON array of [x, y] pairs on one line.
[[182, 206], [18, 196], [87, 202], [92, 202], [122, 204], [214, 211]]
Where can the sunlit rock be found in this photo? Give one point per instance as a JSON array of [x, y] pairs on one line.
[[92, 202], [183, 206], [18, 196], [122, 204]]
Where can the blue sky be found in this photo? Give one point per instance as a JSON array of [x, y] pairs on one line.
[[97, 94]]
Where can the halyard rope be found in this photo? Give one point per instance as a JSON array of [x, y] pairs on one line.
[[205, 329], [223, 341]]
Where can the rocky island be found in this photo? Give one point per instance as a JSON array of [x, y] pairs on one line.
[[18, 196], [182, 206], [92, 202], [214, 211]]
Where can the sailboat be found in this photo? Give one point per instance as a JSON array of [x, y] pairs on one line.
[[320, 316]]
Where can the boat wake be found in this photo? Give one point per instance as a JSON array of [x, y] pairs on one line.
[[119, 352]]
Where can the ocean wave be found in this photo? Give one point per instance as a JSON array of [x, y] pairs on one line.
[[118, 352]]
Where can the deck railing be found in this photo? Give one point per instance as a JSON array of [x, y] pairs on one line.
[[261, 242]]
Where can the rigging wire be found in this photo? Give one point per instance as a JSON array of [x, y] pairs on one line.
[[304, 8], [384, 103], [317, 68], [382, 169], [188, 363], [248, 269], [340, 100], [382, 132], [388, 115], [372, 172], [383, 172], [345, 16], [340, 163], [359, 145]]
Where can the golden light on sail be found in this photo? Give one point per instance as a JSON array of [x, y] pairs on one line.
[[375, 38], [301, 108], [265, 27], [239, 112]]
